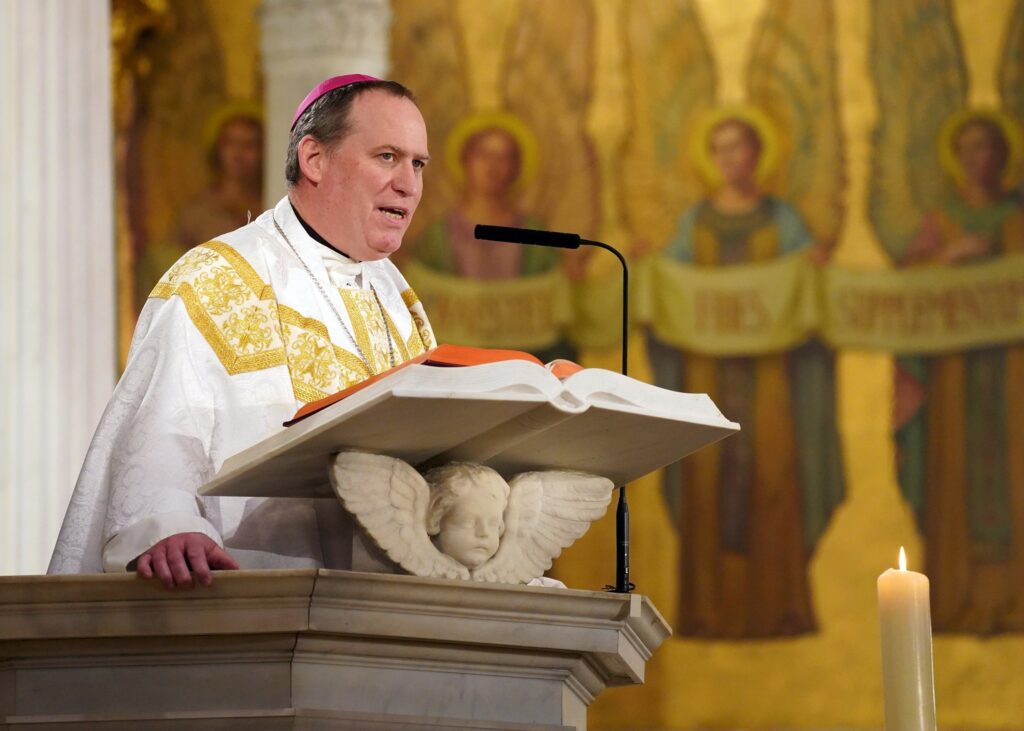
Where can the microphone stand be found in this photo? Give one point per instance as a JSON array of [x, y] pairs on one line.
[[625, 300], [506, 234], [622, 583]]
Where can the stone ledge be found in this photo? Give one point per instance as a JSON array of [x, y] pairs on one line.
[[446, 654], [280, 720]]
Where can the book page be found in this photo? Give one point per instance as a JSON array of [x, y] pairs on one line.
[[607, 388]]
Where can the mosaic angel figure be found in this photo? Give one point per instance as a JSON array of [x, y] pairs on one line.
[[506, 166], [754, 183], [177, 133], [943, 193]]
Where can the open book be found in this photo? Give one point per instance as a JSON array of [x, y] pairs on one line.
[[512, 415]]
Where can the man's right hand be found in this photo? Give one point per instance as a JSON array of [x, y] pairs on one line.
[[175, 560]]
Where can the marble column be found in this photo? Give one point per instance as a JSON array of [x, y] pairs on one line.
[[57, 353], [303, 43]]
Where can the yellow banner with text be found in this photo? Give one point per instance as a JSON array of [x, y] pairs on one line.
[[528, 313], [926, 309], [762, 308]]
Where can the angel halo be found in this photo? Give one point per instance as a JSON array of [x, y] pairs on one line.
[[464, 521], [750, 118], [523, 139], [1001, 132]]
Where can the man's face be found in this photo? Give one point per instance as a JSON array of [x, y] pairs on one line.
[[371, 182]]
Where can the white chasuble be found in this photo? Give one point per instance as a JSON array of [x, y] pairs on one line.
[[233, 340]]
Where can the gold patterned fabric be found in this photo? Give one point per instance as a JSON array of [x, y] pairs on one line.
[[423, 335], [229, 304], [240, 318]]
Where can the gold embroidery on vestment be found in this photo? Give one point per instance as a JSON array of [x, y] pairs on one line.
[[162, 291], [410, 298], [414, 344], [230, 306], [353, 369], [311, 361], [234, 362], [426, 341], [293, 317], [249, 331], [369, 331], [351, 363], [243, 268], [237, 314], [220, 290], [396, 338], [306, 393], [190, 263]]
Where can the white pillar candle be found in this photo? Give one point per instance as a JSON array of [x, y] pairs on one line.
[[906, 623]]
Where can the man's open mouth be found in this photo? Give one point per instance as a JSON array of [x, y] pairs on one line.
[[395, 214]]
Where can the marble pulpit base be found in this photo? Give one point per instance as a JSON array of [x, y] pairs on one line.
[[312, 650]]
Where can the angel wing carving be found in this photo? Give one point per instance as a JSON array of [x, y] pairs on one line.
[[919, 73], [792, 78], [547, 511], [672, 82], [389, 499]]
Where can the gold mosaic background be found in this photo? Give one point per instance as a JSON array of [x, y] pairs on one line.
[[829, 679]]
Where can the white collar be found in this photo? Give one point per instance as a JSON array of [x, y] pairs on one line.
[[341, 270]]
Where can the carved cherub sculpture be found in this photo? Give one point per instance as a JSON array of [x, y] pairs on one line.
[[466, 513], [464, 521]]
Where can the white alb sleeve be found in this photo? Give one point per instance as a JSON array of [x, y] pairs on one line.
[[140, 536], [159, 452]]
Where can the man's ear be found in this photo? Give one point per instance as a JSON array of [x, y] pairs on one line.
[[312, 158]]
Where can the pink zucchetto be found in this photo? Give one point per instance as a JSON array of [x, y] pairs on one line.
[[335, 82]]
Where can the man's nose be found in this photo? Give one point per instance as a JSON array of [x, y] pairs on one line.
[[406, 180]]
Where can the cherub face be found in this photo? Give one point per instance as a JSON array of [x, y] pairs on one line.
[[471, 528]]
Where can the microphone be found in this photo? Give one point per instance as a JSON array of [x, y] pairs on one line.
[[557, 239], [536, 237], [529, 236]]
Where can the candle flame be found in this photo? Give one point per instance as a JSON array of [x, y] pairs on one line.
[[903, 559]]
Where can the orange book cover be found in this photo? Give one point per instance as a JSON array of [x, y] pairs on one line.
[[444, 356]]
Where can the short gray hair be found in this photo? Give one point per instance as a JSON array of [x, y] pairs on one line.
[[327, 119]]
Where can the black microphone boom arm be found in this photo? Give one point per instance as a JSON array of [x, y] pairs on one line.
[[535, 237], [529, 236]]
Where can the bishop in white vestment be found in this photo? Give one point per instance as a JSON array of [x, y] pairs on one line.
[[244, 330]]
